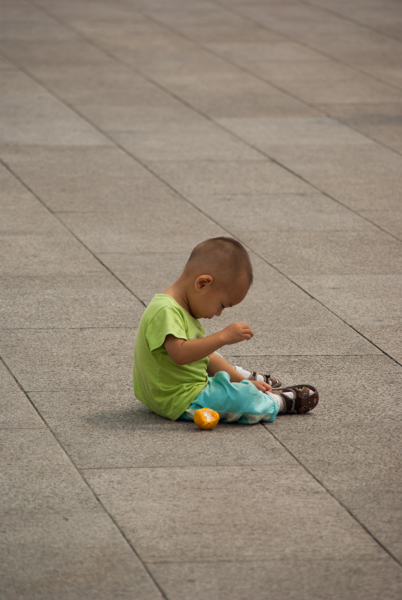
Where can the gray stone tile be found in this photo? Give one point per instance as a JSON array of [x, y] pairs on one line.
[[297, 132], [32, 30], [361, 443], [386, 336], [168, 526], [87, 300], [5, 65], [357, 89], [55, 359], [360, 299], [33, 241], [135, 231], [244, 53], [102, 29], [15, 409], [382, 122], [146, 274], [144, 43], [389, 220], [330, 579], [220, 90], [281, 212], [208, 143], [85, 179], [70, 555], [108, 428], [281, 71], [214, 33], [36, 117], [57, 541], [34, 54], [74, 10], [84, 84], [359, 252], [356, 175], [155, 119], [197, 179]]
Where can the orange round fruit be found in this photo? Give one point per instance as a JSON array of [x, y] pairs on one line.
[[206, 418]]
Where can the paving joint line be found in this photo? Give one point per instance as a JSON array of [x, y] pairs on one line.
[[351, 20], [11, 170], [317, 108], [321, 484], [305, 45], [114, 521], [204, 115], [145, 166]]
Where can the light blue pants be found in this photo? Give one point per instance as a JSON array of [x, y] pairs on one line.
[[240, 402]]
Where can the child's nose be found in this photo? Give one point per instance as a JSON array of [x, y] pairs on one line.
[[219, 312]]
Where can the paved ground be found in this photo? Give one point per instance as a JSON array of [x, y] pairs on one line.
[[132, 130]]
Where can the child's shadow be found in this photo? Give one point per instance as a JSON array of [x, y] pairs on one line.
[[134, 418]]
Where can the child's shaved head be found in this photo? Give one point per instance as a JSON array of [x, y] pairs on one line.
[[222, 257]]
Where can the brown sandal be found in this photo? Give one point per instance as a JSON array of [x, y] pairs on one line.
[[303, 398], [269, 379]]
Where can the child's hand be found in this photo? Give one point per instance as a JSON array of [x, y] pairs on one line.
[[262, 386], [237, 332]]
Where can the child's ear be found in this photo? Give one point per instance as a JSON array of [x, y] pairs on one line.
[[203, 281]]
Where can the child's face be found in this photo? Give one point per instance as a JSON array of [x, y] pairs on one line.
[[210, 300]]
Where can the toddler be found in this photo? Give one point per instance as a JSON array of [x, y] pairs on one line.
[[177, 368]]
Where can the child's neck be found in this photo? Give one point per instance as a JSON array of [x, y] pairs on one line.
[[179, 293]]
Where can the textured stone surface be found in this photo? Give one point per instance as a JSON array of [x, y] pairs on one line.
[[130, 132]]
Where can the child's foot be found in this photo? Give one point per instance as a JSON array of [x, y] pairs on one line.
[[298, 398], [270, 379]]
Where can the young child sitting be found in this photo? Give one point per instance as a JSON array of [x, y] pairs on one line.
[[176, 367]]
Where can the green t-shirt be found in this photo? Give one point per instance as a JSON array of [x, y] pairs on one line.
[[166, 388]]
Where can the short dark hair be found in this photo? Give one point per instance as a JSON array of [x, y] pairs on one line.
[[225, 255]]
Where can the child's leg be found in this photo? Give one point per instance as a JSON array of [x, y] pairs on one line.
[[241, 402], [218, 363]]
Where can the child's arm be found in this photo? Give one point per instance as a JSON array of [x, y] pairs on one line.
[[184, 352]]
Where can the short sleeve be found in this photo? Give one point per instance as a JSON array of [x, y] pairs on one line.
[[167, 321]]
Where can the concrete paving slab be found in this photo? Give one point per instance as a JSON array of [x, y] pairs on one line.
[[84, 84], [381, 122], [62, 301], [41, 119], [389, 220], [282, 212], [146, 274], [244, 32], [147, 501], [116, 232], [55, 359], [70, 555], [246, 53], [346, 294], [325, 484], [294, 131], [212, 144], [106, 428], [199, 179], [15, 409], [158, 119], [356, 252], [357, 89], [385, 336], [323, 578], [56, 531], [98, 179]]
